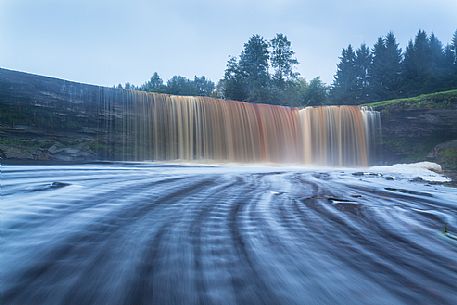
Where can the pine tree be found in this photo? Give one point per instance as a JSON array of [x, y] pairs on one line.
[[203, 86], [155, 84], [179, 85], [344, 83], [449, 69], [376, 71], [417, 67], [409, 73], [385, 72], [282, 60], [454, 46], [315, 93], [393, 69], [253, 66], [362, 64], [437, 59], [422, 55], [234, 85]]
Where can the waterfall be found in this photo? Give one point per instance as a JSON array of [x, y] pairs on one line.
[[151, 126]]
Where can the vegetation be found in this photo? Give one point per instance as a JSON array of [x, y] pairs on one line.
[[265, 72], [439, 98], [177, 85]]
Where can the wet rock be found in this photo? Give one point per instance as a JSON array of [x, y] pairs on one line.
[[56, 148], [445, 154], [12, 152], [417, 179], [58, 185]]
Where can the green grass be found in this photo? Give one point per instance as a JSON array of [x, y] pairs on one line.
[[449, 96]]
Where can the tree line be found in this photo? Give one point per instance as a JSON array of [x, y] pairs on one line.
[[177, 85], [386, 72], [265, 72]]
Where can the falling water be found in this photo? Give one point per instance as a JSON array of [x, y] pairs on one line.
[[165, 127]]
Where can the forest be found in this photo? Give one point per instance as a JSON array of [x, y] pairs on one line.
[[265, 72]]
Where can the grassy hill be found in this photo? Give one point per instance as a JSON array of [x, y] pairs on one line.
[[440, 99]]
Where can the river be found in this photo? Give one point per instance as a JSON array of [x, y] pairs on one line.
[[144, 233]]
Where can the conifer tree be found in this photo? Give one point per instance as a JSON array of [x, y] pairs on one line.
[[454, 46], [234, 85], [253, 66], [344, 83], [282, 60], [376, 70], [385, 72], [362, 64]]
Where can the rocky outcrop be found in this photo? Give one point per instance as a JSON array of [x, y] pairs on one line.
[[414, 131], [446, 154], [49, 119]]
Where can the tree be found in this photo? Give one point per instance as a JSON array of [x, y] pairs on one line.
[[422, 56], [203, 86], [449, 72], [282, 60], [253, 67], [155, 84], [409, 72], [315, 93], [345, 80], [437, 63], [199, 86], [234, 85], [179, 85], [454, 46], [129, 86], [362, 64], [393, 69], [385, 72]]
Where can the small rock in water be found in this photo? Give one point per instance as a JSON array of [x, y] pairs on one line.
[[58, 185], [417, 179]]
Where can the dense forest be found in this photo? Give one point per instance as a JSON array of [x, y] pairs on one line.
[[265, 72]]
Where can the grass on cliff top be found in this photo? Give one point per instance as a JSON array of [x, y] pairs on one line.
[[429, 97]]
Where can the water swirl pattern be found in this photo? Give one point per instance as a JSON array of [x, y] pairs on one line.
[[160, 234]]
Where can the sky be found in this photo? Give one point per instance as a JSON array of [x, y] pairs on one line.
[[109, 42]]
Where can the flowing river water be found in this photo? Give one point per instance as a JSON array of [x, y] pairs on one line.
[[139, 233]]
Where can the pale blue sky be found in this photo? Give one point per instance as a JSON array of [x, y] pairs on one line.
[[106, 42]]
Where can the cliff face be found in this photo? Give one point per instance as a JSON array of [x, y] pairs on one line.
[[45, 118], [421, 128]]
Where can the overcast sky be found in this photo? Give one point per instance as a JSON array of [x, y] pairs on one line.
[[106, 42]]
